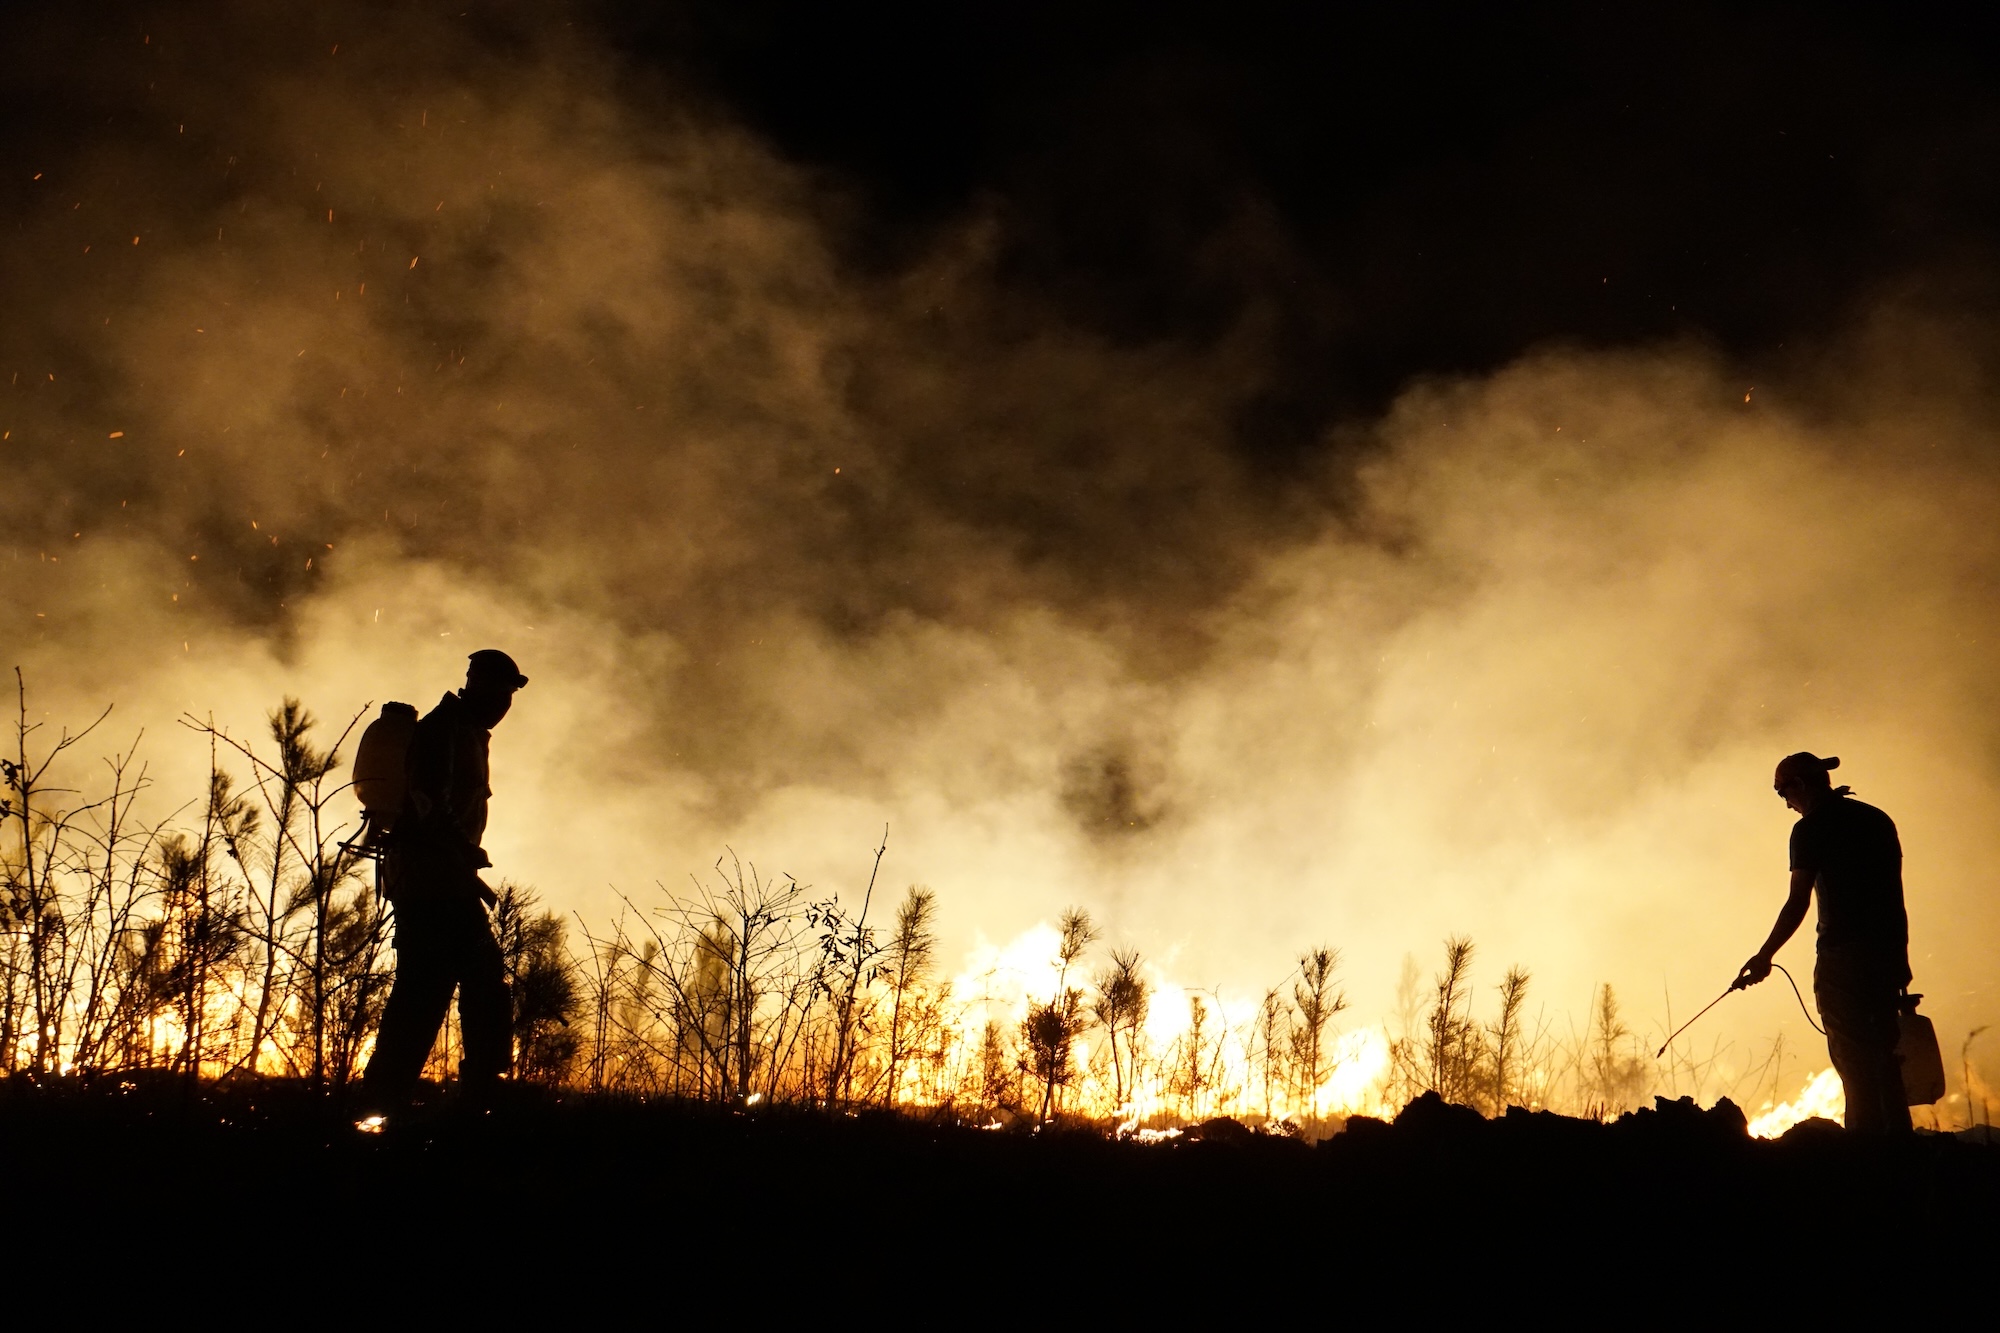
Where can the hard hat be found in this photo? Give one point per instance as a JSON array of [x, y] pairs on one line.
[[490, 664]]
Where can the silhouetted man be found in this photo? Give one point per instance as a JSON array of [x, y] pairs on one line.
[[431, 874], [1849, 852]]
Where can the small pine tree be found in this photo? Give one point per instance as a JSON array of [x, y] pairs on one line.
[[543, 984]]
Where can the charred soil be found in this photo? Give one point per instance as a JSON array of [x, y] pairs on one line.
[[534, 1188]]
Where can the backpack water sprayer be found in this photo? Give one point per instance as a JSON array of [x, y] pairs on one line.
[[380, 777]]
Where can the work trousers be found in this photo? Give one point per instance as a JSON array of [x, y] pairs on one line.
[[443, 943], [1857, 996]]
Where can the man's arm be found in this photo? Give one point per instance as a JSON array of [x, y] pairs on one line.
[[1790, 917]]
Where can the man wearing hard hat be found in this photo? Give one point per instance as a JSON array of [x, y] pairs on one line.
[[431, 875]]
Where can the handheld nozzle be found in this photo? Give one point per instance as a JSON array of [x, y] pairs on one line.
[[1734, 986]]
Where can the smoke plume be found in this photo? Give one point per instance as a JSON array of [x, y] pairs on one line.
[[341, 346]]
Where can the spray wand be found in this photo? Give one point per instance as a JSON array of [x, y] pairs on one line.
[[1734, 986]]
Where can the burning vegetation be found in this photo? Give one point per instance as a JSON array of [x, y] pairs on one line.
[[240, 936]]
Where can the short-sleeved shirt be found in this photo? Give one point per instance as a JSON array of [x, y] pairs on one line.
[[1857, 864]]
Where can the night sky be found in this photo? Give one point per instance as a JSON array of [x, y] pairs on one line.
[[1396, 190], [1385, 191]]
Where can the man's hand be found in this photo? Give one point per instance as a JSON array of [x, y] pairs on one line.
[[1754, 971]]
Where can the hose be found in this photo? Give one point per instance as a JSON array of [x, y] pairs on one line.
[[1733, 988], [1801, 999]]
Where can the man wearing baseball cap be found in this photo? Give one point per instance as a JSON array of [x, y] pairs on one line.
[[431, 875], [1848, 852]]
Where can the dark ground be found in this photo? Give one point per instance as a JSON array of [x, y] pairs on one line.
[[533, 1199]]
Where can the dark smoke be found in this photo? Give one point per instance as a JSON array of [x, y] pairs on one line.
[[440, 297]]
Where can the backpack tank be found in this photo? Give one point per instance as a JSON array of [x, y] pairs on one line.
[[379, 779]]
